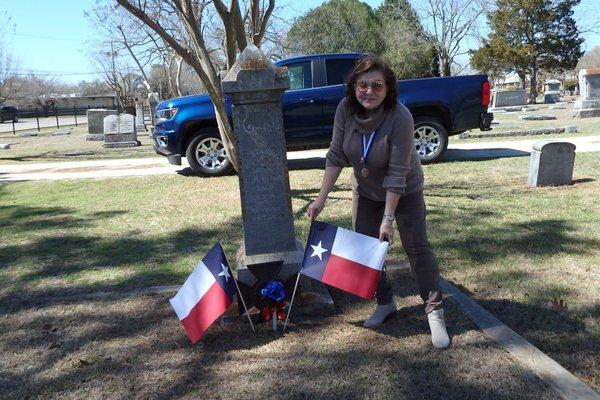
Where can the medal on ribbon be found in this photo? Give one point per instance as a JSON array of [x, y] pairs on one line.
[[366, 147]]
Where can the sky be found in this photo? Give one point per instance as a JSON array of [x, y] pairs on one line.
[[49, 37]]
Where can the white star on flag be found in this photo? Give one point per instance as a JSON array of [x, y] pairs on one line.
[[225, 272], [318, 251]]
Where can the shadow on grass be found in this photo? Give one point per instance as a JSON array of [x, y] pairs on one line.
[[63, 255], [117, 352]]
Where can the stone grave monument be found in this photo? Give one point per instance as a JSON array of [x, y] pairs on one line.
[[95, 118], [271, 250], [589, 85], [508, 98], [119, 131], [140, 125], [551, 163], [552, 90]]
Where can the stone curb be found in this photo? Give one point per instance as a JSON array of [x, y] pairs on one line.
[[561, 380]]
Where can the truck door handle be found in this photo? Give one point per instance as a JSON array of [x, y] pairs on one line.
[[307, 100]]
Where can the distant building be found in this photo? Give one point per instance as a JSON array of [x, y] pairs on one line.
[[508, 81], [81, 101]]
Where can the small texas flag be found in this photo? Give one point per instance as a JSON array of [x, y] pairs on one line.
[[206, 294], [344, 259]]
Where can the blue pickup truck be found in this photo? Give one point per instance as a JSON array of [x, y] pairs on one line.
[[440, 106]]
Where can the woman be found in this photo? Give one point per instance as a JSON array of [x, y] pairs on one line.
[[375, 135]]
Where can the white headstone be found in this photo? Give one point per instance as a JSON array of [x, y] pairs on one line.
[[111, 125], [126, 123]]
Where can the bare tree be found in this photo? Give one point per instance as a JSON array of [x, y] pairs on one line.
[[9, 84], [118, 72], [166, 18], [591, 59], [447, 24]]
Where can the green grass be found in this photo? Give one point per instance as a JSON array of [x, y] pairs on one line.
[[514, 249], [48, 148]]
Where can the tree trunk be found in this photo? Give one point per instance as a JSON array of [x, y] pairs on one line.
[[178, 77], [533, 84], [444, 64]]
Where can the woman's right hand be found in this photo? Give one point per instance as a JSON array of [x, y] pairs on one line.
[[315, 208]]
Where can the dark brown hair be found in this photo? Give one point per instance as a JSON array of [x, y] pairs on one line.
[[366, 64]]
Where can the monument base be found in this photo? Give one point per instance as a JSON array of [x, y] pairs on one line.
[[589, 113], [312, 297], [112, 145], [94, 137], [140, 127]]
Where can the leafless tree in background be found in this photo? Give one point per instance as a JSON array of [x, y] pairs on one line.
[[193, 43], [9, 84], [447, 24], [591, 59]]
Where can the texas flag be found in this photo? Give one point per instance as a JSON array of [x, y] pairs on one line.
[[206, 294], [344, 259]]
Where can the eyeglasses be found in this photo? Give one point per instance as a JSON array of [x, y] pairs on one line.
[[376, 86]]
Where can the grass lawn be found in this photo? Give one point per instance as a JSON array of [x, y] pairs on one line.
[[512, 248], [46, 148]]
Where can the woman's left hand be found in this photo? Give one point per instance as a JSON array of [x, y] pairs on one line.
[[386, 231]]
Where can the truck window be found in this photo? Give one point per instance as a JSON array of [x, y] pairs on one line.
[[337, 69], [300, 75]]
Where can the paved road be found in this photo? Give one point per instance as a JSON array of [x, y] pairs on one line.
[[25, 124], [296, 160]]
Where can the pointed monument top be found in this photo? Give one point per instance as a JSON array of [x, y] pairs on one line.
[[252, 58]]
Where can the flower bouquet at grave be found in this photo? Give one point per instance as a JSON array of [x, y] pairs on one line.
[[271, 303]]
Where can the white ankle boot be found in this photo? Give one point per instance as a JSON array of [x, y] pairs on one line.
[[439, 336], [382, 311]]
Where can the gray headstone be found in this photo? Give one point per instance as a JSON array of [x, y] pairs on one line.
[[508, 98], [28, 134], [571, 128], [256, 87], [513, 109], [95, 118], [139, 116], [4, 146], [551, 163], [536, 117], [552, 86], [551, 98], [79, 153], [62, 132], [589, 83]]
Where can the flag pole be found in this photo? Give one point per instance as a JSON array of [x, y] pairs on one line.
[[297, 280], [291, 302], [239, 293]]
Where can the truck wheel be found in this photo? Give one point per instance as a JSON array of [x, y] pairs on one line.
[[206, 154], [431, 139]]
